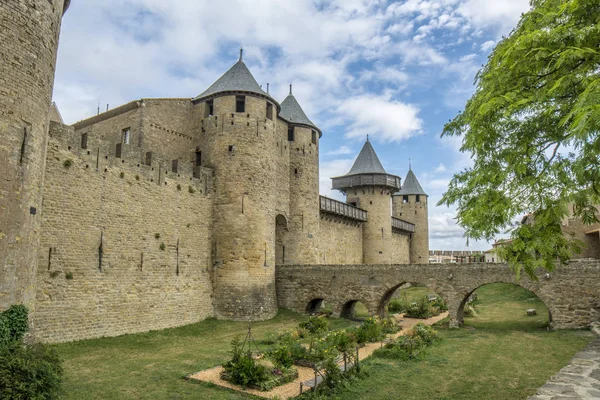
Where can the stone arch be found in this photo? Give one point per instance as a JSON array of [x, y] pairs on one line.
[[314, 305], [347, 308], [461, 308], [387, 296], [281, 230]]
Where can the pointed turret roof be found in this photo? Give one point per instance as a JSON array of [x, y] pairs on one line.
[[411, 185], [293, 113], [55, 114], [367, 162], [237, 79], [366, 171]]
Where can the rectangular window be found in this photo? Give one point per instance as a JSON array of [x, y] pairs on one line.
[[418, 198], [290, 133], [208, 109], [405, 199], [119, 150], [314, 137], [149, 158], [270, 111], [84, 138], [198, 161], [126, 132], [240, 103], [175, 166]]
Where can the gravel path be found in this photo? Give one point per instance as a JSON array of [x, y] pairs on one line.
[[292, 389]]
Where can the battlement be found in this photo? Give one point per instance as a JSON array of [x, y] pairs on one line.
[[157, 168]]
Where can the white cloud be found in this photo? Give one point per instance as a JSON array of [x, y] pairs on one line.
[[380, 117], [487, 46], [343, 150], [440, 168], [331, 169], [502, 15]]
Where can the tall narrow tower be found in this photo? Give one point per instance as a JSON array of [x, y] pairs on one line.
[[304, 224], [237, 124], [410, 204], [28, 45], [369, 186]]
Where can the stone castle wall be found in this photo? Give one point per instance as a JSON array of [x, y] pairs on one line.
[[304, 197], [29, 31], [138, 286], [341, 240], [415, 212], [400, 248], [242, 147]]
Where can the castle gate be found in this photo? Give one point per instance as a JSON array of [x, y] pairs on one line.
[[571, 293]]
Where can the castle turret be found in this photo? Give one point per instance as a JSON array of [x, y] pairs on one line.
[[236, 125], [410, 204], [369, 186], [303, 139], [28, 46]]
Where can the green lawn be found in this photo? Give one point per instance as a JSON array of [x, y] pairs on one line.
[[496, 360]]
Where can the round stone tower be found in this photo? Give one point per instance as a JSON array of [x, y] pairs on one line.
[[29, 31], [410, 204], [237, 121], [369, 186], [304, 220]]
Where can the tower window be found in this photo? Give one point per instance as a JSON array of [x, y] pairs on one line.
[[418, 199], [198, 161], [405, 199], [149, 158], [240, 103], [84, 138], [290, 133], [314, 137], [175, 166], [208, 108], [269, 111], [126, 135]]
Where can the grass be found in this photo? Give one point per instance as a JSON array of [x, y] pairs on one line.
[[507, 356]]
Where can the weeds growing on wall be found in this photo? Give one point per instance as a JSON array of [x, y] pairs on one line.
[[67, 163]]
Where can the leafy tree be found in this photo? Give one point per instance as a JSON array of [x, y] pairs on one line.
[[532, 128]]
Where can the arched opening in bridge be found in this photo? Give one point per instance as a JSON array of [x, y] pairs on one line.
[[354, 309], [503, 306], [318, 306], [413, 300], [281, 229]]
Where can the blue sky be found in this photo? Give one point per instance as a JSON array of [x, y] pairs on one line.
[[396, 71]]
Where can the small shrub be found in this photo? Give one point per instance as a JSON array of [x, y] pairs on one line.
[[440, 304], [427, 334], [405, 348], [162, 246], [67, 163], [54, 274], [29, 372], [122, 174], [68, 275], [191, 189], [420, 309], [315, 325], [157, 235], [469, 311], [397, 306], [370, 330], [178, 186], [334, 375], [14, 323]]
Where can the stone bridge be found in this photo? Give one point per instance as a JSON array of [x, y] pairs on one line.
[[571, 293]]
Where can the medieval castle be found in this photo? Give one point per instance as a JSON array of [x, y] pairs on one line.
[[162, 212]]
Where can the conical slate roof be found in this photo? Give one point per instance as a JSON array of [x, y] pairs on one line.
[[237, 79], [367, 162], [411, 185], [293, 113]]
